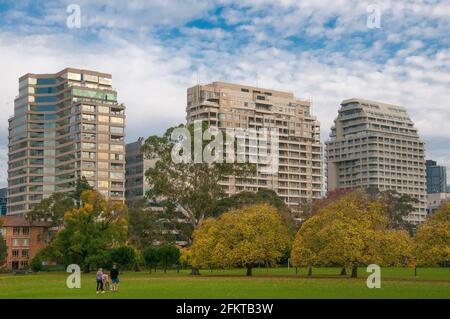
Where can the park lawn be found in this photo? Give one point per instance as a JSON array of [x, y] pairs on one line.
[[266, 283]]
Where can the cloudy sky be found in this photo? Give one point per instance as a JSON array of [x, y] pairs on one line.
[[320, 50]]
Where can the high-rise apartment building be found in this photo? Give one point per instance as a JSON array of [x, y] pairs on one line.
[[135, 168], [436, 177], [3, 200], [65, 125], [376, 144], [233, 106]]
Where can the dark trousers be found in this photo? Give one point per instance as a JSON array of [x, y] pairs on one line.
[[100, 285]]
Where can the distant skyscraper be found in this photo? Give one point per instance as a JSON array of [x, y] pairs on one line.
[[135, 168], [376, 144], [232, 106], [65, 125], [436, 177], [3, 201]]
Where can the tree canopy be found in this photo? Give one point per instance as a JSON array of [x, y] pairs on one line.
[[89, 231], [349, 232], [432, 240], [191, 186], [243, 237]]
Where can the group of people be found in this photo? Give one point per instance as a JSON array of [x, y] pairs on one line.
[[105, 282]]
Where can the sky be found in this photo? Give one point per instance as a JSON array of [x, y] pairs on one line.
[[395, 52]]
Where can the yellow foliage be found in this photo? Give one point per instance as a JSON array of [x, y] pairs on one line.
[[348, 232], [243, 237], [432, 240]]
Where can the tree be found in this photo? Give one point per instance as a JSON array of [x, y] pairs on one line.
[[344, 232], [396, 207], [90, 231], [168, 254], [144, 227], [262, 196], [3, 250], [36, 263], [151, 257], [243, 237], [52, 209], [191, 186], [432, 240], [81, 185], [123, 256]]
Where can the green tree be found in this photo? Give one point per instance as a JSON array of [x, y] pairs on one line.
[[396, 207], [81, 185], [168, 255], [36, 263], [90, 231], [3, 250], [192, 187], [144, 226], [123, 256], [151, 257], [52, 209], [244, 237], [432, 240]]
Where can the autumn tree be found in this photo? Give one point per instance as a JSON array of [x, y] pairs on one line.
[[90, 231], [192, 186], [432, 240], [53, 208], [262, 196], [243, 237], [349, 231]]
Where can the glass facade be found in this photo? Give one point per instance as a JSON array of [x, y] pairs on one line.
[[54, 131]]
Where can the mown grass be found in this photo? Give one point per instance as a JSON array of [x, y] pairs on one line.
[[266, 283]]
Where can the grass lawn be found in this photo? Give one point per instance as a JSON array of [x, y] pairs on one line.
[[270, 283]]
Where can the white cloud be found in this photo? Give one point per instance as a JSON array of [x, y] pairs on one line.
[[151, 75]]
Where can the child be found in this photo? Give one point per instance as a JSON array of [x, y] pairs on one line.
[[106, 284], [99, 279]]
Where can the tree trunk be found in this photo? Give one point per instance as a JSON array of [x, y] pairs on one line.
[[195, 271], [354, 271], [87, 268], [343, 271], [309, 270], [249, 270]]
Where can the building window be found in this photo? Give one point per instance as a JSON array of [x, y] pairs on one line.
[[15, 242], [26, 230], [15, 253], [16, 231], [25, 253]]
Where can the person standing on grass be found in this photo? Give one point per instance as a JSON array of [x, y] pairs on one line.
[[99, 279], [114, 274]]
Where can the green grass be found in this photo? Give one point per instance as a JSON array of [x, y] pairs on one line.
[[266, 283]]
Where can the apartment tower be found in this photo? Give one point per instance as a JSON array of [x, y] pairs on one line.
[[136, 165], [299, 175], [376, 144], [65, 125]]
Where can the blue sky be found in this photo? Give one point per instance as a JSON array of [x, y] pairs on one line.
[[320, 50]]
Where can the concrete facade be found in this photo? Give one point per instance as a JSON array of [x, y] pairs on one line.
[[232, 106], [65, 125], [376, 144]]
